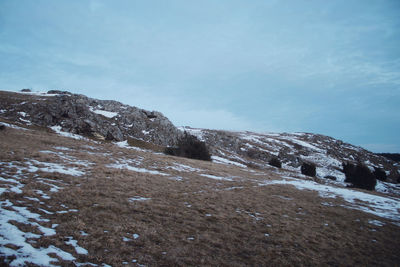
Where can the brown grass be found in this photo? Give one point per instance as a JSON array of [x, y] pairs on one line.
[[192, 222], [145, 145]]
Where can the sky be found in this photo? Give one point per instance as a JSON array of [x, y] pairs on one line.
[[327, 67]]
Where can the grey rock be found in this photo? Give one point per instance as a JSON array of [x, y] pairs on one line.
[[89, 117]]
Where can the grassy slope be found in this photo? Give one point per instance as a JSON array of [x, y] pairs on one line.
[[193, 221]]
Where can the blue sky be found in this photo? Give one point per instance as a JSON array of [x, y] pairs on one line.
[[329, 67]]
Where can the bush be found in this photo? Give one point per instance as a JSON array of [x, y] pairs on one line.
[[2, 127], [189, 147], [380, 174], [359, 176], [308, 169], [275, 162], [348, 167]]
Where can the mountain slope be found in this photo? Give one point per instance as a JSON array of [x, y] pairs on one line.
[[292, 149], [69, 197], [67, 201]]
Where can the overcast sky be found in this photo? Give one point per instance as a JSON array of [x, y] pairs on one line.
[[329, 67]]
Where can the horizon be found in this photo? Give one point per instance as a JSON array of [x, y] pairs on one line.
[[38, 92], [277, 66]]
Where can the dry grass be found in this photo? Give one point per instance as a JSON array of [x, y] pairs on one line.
[[194, 221], [145, 145]]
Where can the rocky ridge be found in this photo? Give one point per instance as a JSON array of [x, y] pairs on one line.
[[79, 114], [292, 149]]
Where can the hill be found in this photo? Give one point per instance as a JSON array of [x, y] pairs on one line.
[[392, 156], [76, 198]]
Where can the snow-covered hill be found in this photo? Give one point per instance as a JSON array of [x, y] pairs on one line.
[[292, 149]]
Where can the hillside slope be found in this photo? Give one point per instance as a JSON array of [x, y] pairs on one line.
[[83, 183], [66, 200], [77, 201], [292, 149]]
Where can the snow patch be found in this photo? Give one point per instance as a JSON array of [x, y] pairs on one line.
[[74, 243], [53, 167], [105, 113], [216, 177], [11, 234], [376, 222], [13, 126], [225, 161], [183, 168], [384, 207], [58, 130], [136, 169], [138, 198]]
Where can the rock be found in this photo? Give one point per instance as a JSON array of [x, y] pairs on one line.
[[275, 162], [82, 115]]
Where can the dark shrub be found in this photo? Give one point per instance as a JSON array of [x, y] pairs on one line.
[[25, 90], [2, 127], [330, 177], [189, 147], [359, 176], [348, 167], [275, 162], [380, 174], [308, 169]]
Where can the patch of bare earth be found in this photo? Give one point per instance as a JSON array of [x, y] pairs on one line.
[[130, 207]]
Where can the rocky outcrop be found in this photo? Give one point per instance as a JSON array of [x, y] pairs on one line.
[[293, 150], [103, 119]]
